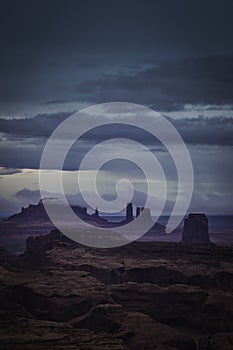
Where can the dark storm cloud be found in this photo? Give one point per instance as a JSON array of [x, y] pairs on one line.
[[18, 154], [41, 125], [23, 140], [60, 55], [49, 45], [9, 171], [206, 131], [168, 84], [200, 130], [127, 24], [211, 203]]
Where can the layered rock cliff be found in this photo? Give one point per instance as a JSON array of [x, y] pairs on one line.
[[61, 295]]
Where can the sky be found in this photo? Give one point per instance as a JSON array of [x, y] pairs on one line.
[[175, 57]]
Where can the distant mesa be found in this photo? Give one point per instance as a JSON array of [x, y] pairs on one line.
[[34, 221], [196, 229]]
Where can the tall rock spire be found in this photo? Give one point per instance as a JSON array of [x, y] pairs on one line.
[[129, 212]]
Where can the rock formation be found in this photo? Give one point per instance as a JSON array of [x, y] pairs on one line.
[[138, 211], [129, 212], [61, 295], [196, 229], [34, 221]]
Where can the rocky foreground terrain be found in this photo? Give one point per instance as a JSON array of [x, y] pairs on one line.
[[144, 296]]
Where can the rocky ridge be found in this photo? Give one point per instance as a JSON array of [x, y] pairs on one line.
[[140, 296]]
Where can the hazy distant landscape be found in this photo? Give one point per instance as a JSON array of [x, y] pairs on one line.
[[33, 221], [113, 113], [160, 292]]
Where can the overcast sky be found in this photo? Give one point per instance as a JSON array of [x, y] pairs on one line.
[[173, 56]]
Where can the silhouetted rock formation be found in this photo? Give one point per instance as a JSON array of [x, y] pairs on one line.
[[138, 211], [196, 229], [36, 248], [129, 212], [34, 221]]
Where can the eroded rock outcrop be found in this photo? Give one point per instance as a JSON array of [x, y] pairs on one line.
[[139, 331], [141, 296], [31, 334], [196, 229], [58, 295], [217, 341]]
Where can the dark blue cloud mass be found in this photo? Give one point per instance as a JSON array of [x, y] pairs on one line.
[[176, 57]]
